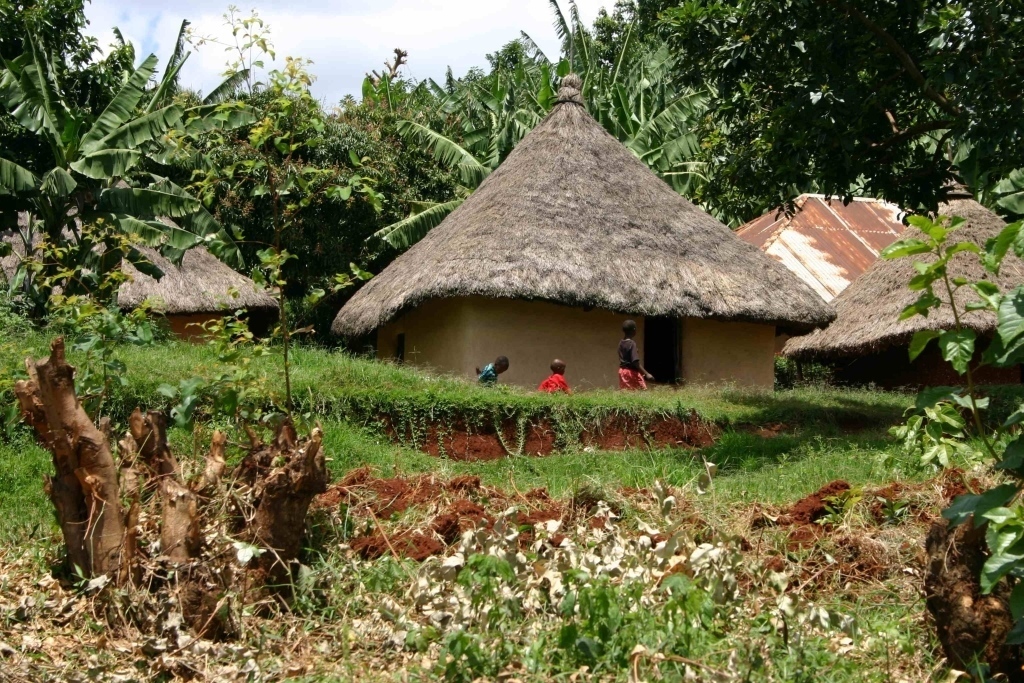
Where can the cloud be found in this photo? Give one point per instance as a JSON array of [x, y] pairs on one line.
[[344, 38]]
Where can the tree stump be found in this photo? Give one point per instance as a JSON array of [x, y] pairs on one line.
[[970, 626], [85, 489]]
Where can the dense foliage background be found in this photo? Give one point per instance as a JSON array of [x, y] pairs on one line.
[[740, 106]]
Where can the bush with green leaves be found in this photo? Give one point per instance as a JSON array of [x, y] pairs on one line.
[[950, 423], [96, 169]]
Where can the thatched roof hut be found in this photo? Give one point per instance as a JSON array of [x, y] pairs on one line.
[[569, 234], [573, 217], [826, 243], [201, 286], [868, 311]]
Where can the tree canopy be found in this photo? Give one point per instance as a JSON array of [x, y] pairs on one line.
[[881, 97]]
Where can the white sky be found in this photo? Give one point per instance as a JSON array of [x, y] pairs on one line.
[[344, 38]]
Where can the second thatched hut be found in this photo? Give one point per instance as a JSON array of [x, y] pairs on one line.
[[868, 343], [199, 289], [567, 238]]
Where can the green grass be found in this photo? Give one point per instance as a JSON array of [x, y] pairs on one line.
[[334, 383], [751, 468], [830, 433]]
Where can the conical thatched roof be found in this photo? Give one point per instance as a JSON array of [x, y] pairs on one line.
[[868, 311], [201, 284], [573, 217]]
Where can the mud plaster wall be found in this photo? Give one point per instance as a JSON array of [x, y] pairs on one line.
[[892, 369], [459, 335], [187, 326], [722, 352]]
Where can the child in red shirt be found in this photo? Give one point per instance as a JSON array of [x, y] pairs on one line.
[[556, 382]]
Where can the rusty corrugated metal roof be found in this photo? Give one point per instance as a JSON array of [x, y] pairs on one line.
[[826, 243]]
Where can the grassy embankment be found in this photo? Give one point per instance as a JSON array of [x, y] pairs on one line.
[[826, 434]]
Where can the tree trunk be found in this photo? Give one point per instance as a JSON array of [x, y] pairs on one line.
[[970, 626], [85, 489], [283, 493]]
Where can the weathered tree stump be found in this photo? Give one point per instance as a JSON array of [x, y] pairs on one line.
[[971, 626], [85, 490], [275, 484]]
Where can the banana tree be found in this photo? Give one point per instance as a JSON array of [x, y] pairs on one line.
[[633, 98], [96, 172]]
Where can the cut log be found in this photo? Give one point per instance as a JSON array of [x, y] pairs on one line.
[[150, 433], [284, 494], [179, 518], [85, 489], [215, 464]]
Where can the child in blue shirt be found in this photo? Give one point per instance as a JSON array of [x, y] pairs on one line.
[[489, 375]]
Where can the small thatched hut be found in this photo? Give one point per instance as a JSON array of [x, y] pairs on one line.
[[202, 288], [868, 342], [570, 235]]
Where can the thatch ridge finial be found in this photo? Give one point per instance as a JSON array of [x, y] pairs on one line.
[[570, 89]]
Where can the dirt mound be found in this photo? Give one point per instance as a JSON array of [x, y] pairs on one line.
[[461, 504], [768, 431], [810, 509], [413, 545], [388, 497]]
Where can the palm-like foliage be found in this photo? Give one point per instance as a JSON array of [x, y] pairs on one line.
[[97, 163], [634, 98]]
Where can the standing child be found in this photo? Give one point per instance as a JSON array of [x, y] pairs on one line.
[[556, 382], [489, 375], [631, 373]]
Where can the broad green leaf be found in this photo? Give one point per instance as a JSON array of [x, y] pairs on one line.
[[121, 108], [148, 232], [1006, 548], [227, 88], [908, 247], [922, 306], [15, 178], [963, 246], [147, 202], [930, 396], [143, 264], [1013, 456], [996, 247], [920, 342], [408, 231], [174, 64], [446, 151], [209, 117], [143, 129], [978, 504], [933, 229], [108, 163], [1017, 601], [58, 183], [41, 109], [958, 348], [1010, 317]]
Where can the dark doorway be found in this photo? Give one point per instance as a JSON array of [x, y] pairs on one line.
[[400, 348], [663, 349]]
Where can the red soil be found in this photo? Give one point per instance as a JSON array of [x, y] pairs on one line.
[[460, 442], [453, 501], [812, 508], [954, 482], [387, 497]]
